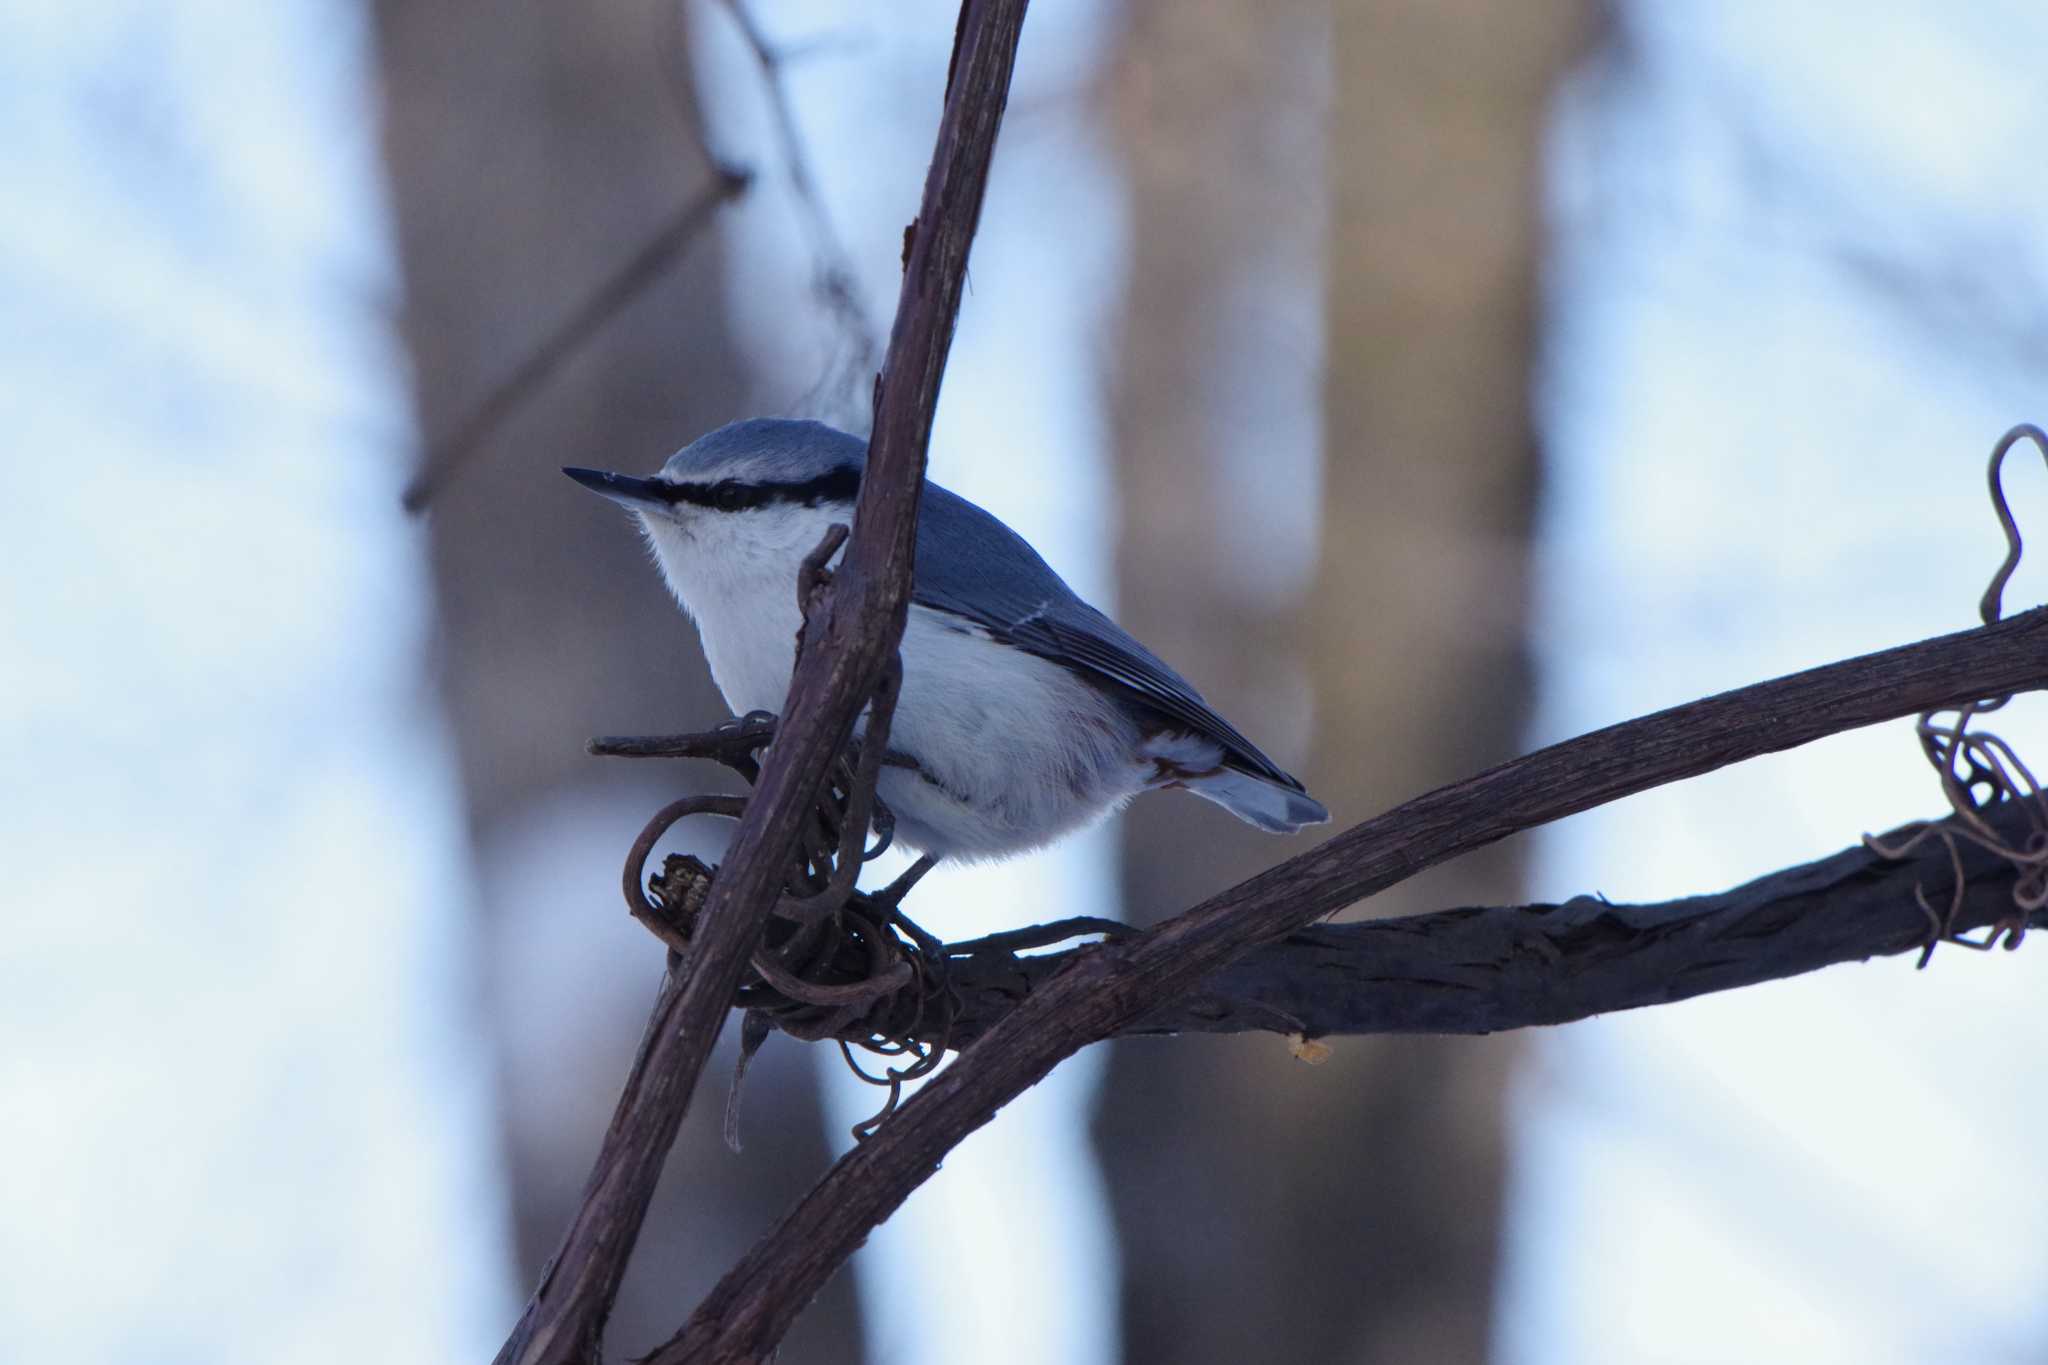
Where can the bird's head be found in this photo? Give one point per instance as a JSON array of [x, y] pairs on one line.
[[753, 495], [765, 465]]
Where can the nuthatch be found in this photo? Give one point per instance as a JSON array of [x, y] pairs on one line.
[[1024, 712]]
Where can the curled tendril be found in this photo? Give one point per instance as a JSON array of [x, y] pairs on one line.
[[1991, 605], [833, 962], [1978, 769]]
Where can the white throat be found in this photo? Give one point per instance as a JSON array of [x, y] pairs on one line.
[[735, 574]]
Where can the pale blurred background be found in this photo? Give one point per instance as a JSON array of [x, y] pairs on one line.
[[1428, 380]]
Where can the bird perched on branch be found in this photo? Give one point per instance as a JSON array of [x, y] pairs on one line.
[[1024, 713]]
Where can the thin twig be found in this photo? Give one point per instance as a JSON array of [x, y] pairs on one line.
[[834, 282], [1012, 941], [450, 455], [733, 743]]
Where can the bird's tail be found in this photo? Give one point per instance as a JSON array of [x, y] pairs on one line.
[[1259, 801]]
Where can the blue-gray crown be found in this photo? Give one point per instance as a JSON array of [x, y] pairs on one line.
[[764, 462], [766, 450]]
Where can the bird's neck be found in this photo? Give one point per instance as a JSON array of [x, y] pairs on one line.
[[735, 574], [738, 559]]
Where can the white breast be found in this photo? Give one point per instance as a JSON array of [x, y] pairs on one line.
[[1011, 750], [739, 585]]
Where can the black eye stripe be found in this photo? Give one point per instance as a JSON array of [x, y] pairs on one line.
[[730, 495]]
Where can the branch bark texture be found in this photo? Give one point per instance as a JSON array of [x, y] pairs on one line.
[[1110, 988], [1490, 969], [843, 657]]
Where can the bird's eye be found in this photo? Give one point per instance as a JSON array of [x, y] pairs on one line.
[[727, 496]]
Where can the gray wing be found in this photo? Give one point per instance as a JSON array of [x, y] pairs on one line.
[[971, 565]]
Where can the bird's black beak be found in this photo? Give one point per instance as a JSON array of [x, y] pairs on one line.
[[622, 489]]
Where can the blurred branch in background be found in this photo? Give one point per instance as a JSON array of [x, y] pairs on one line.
[[833, 284], [1326, 475], [838, 393], [445, 458]]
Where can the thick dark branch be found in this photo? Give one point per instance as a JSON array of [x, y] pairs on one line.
[[1508, 967], [848, 640], [1107, 990]]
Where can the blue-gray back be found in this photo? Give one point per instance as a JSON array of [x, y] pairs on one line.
[[973, 566], [976, 568]]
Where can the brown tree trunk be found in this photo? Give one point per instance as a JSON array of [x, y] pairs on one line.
[[1251, 1227], [531, 152]]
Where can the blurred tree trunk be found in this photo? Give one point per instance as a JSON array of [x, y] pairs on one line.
[[1269, 1211], [531, 151]]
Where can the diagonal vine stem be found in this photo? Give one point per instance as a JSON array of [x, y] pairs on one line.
[[1110, 988], [849, 637]]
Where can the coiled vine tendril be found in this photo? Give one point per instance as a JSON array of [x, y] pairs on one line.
[[1979, 769]]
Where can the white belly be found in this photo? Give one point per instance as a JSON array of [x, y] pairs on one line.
[[751, 655], [1014, 751], [1011, 751]]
